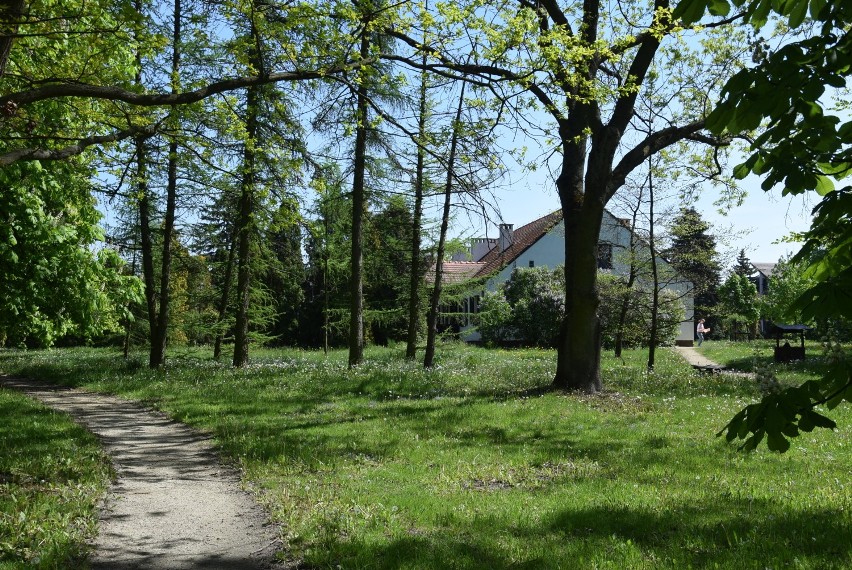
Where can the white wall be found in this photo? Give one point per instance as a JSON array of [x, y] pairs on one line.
[[549, 251]]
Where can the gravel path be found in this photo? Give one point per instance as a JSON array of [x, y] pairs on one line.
[[694, 357], [173, 505]]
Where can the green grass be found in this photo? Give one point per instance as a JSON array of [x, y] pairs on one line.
[[747, 356], [51, 475], [477, 465]]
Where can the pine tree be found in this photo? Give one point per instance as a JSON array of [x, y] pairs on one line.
[[743, 266], [693, 253]]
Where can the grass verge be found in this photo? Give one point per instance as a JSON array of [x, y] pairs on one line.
[[477, 465], [52, 474]]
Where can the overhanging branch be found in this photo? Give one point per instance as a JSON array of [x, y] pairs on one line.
[[75, 149]]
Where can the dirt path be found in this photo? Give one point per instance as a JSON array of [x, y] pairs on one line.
[[173, 505], [694, 357]]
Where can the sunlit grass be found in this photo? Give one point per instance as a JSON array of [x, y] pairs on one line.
[[747, 356], [476, 464], [51, 475]]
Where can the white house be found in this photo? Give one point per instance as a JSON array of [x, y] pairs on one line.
[[541, 243]]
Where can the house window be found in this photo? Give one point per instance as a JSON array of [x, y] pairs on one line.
[[604, 256], [532, 263]]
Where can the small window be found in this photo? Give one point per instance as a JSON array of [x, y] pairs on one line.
[[604, 256], [532, 263]]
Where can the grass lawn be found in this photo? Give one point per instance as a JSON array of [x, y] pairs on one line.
[[52, 473], [476, 465]]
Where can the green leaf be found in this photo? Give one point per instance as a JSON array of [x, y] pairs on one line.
[[777, 442], [816, 8], [690, 11], [798, 13], [741, 171], [820, 420], [719, 7], [824, 185]]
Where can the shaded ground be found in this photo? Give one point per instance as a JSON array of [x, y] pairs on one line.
[[173, 505]]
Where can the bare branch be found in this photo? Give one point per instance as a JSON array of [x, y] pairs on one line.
[[653, 143]]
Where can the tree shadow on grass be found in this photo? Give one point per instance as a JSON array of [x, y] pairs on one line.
[[718, 534]]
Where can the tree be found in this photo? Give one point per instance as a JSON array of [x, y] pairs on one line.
[[285, 271], [584, 73], [790, 281], [693, 253], [328, 251], [738, 305], [435, 296], [805, 149], [743, 265], [54, 283], [535, 296], [79, 58]]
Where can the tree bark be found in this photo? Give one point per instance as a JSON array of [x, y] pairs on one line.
[[435, 298], [245, 231], [359, 208], [11, 13], [226, 294], [159, 336], [155, 359], [416, 237], [578, 349], [655, 301]]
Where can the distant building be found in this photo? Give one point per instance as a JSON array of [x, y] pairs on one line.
[[541, 243], [760, 277]]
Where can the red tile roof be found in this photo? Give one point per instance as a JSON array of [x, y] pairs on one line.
[[524, 238], [456, 271]]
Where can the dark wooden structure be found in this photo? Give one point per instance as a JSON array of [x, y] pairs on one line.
[[786, 352]]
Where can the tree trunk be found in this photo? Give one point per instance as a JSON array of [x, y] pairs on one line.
[[155, 357], [159, 338], [359, 208], [11, 13], [435, 298], [223, 300], [578, 349], [417, 214], [655, 302], [245, 218], [245, 230]]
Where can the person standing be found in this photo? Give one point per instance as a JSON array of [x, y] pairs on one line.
[[700, 330]]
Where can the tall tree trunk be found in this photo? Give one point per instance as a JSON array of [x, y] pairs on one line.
[[226, 295], [359, 208], [325, 292], [416, 220], [435, 298], [655, 302], [245, 227], [159, 337], [578, 348], [146, 242], [147, 246]]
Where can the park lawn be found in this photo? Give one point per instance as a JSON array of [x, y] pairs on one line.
[[747, 356], [477, 465], [52, 474]]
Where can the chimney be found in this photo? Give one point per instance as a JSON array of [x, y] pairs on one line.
[[507, 237]]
